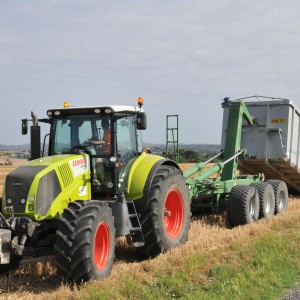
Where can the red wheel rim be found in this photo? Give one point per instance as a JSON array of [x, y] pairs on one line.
[[173, 215], [102, 246]]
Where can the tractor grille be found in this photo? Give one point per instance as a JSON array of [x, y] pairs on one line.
[[48, 189], [18, 183], [66, 174]]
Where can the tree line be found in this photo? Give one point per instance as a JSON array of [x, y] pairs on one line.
[[191, 156]]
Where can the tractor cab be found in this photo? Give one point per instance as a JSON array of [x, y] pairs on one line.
[[109, 135]]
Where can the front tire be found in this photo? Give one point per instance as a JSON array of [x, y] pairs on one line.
[[243, 206], [166, 221], [85, 245]]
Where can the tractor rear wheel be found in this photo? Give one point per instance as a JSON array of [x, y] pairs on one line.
[[166, 221], [243, 206], [266, 199], [85, 245], [281, 195]]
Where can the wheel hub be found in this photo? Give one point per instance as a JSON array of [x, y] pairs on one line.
[[102, 246], [173, 213]]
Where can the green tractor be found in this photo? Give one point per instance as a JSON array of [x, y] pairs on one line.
[[95, 183]]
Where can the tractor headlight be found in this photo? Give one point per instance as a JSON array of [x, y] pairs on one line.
[[31, 207], [8, 201], [22, 201], [31, 198]]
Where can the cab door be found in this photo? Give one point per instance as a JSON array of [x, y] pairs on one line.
[[127, 147]]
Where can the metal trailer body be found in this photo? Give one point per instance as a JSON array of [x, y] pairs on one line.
[[272, 142]]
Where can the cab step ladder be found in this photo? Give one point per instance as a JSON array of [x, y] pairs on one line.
[[136, 233]]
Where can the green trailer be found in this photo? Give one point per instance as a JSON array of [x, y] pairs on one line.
[[245, 197]]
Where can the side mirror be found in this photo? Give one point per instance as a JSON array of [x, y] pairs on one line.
[[24, 127], [141, 121]]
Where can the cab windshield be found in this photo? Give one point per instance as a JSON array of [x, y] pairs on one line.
[[75, 132]]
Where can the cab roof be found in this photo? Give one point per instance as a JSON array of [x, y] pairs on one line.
[[106, 109]]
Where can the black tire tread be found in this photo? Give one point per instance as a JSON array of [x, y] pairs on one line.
[[263, 188], [279, 186], [154, 243], [70, 250], [237, 206]]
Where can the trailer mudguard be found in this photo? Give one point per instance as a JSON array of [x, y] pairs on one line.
[[141, 175]]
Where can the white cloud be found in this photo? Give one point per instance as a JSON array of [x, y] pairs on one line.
[[182, 56]]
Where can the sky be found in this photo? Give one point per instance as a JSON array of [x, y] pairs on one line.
[[182, 57]]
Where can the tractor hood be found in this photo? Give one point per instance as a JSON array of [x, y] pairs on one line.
[[41, 188]]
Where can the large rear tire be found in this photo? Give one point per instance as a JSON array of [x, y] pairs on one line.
[[243, 206], [266, 199], [85, 244], [166, 221], [281, 195]]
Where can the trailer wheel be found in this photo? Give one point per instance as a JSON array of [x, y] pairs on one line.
[[166, 221], [266, 199], [243, 206], [86, 245], [281, 195]]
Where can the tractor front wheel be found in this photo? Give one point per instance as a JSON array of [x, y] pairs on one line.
[[166, 221], [85, 246]]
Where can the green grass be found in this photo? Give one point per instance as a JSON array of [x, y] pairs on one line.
[[262, 268]]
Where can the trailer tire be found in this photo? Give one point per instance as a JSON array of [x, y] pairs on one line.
[[281, 195], [243, 206], [266, 199], [88, 246], [166, 221]]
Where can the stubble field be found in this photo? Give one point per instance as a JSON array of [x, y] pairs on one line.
[[211, 244]]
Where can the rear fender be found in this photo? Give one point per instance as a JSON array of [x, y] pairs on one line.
[[138, 175], [142, 174]]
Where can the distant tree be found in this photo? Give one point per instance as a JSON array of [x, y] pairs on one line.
[[189, 156]]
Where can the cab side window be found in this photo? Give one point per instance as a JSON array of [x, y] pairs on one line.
[[126, 139]]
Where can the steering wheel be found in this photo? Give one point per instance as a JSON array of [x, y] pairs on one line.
[[95, 143], [77, 149]]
